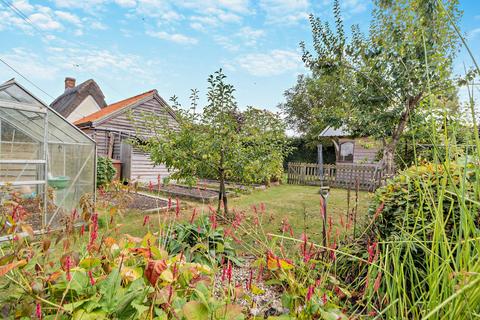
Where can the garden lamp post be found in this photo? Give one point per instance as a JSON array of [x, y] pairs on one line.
[[324, 193]]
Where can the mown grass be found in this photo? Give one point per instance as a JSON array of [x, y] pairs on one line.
[[300, 205]]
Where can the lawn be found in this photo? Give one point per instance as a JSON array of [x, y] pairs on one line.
[[300, 205]]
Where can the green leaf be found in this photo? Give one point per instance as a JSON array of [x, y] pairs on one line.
[[89, 263], [230, 312], [194, 310]]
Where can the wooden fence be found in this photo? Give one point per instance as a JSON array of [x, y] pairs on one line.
[[367, 176]]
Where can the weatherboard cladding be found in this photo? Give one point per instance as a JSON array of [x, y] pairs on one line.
[[121, 127]]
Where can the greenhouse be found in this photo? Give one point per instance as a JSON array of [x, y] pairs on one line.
[[47, 165]]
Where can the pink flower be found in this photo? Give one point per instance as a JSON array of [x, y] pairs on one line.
[[250, 277], [74, 214], [150, 186], [146, 219], [371, 252], [90, 276], [262, 207], [193, 215], [310, 292], [324, 299], [68, 265], [378, 281], [213, 220], [38, 311], [333, 255], [229, 271], [93, 231], [177, 208]]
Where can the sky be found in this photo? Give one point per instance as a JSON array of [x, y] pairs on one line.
[[132, 46]]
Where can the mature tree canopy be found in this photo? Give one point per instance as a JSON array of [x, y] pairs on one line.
[[373, 84]]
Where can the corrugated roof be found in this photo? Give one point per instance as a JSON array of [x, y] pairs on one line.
[[100, 114], [335, 132]]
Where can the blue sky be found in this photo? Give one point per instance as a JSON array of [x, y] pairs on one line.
[[131, 46]]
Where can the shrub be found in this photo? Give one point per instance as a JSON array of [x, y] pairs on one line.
[[105, 171], [406, 201], [201, 242]]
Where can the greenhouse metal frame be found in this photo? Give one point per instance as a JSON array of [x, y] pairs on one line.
[[47, 162]]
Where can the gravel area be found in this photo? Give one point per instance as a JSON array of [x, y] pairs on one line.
[[266, 302]]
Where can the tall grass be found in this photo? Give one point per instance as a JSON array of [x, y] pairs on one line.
[[433, 260]]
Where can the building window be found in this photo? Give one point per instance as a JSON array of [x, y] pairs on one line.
[[346, 152]]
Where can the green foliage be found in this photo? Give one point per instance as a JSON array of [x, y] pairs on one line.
[[221, 142], [405, 206], [306, 151], [427, 223], [105, 171], [372, 84], [202, 243]]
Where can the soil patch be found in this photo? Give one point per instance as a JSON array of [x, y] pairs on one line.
[[174, 190], [132, 200]]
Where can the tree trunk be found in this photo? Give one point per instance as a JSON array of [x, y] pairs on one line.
[[389, 150], [222, 194]]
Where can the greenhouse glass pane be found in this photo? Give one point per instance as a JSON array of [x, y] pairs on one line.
[[22, 121], [60, 130], [18, 143], [15, 93], [71, 177], [30, 197]]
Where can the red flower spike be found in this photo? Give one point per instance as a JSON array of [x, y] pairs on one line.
[[177, 207], [150, 186], [310, 292], [377, 283], [68, 265], [250, 277], [169, 203], [379, 210], [193, 215], [324, 299], [38, 311], [90, 276], [146, 219]]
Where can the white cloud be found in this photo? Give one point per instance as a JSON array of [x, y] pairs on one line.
[[273, 63], [285, 11], [29, 63], [245, 37], [237, 6], [68, 17], [250, 36], [87, 5], [97, 25], [44, 21], [473, 33], [173, 37], [23, 5], [126, 3]]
